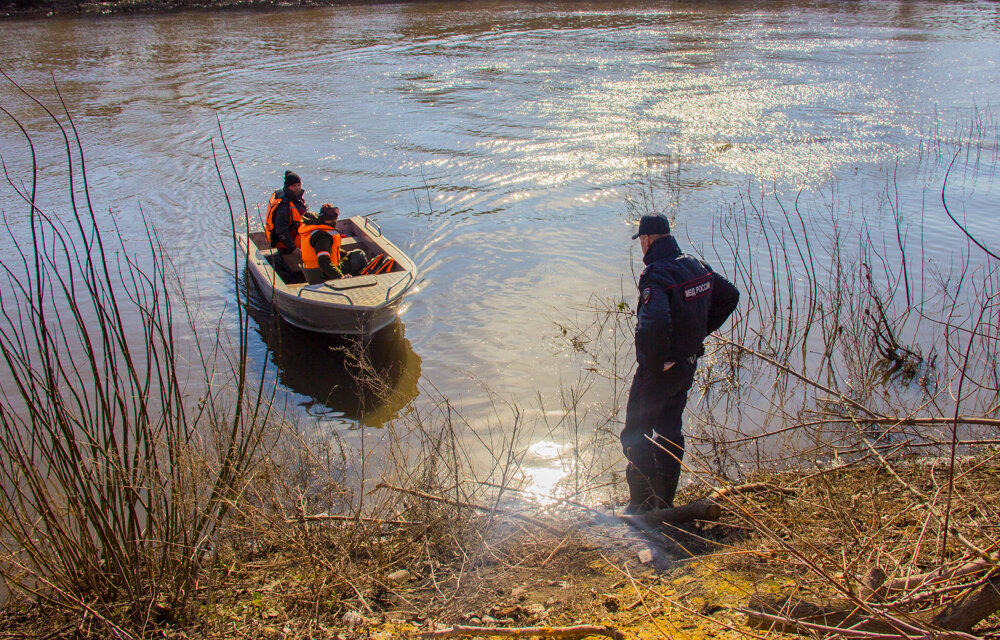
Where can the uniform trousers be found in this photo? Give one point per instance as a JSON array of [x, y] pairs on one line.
[[652, 439]]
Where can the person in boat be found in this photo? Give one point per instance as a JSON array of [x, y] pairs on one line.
[[320, 245], [285, 213], [681, 301]]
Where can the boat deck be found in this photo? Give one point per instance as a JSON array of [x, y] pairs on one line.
[[334, 306]]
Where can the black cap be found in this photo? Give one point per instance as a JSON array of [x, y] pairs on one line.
[[292, 178], [653, 226]]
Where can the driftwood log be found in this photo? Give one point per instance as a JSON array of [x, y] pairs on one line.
[[937, 576], [789, 615], [705, 509], [964, 613]]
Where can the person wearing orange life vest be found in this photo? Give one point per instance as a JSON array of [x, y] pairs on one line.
[[285, 213], [320, 246]]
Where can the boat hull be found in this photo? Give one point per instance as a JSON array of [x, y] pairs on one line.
[[324, 318], [352, 306]]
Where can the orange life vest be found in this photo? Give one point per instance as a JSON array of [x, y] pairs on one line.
[[293, 227], [310, 257]]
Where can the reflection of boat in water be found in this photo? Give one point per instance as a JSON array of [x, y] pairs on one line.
[[359, 305], [366, 380]]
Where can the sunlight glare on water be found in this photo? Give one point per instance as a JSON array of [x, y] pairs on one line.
[[545, 466], [498, 146]]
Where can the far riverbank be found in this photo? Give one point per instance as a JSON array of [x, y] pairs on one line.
[[47, 8]]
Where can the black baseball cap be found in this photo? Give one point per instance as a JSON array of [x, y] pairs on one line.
[[652, 226]]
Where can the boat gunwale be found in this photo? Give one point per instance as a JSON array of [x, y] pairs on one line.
[[257, 261]]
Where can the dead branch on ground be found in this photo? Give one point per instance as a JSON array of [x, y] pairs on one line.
[[469, 505], [566, 633]]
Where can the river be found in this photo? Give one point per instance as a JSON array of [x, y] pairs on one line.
[[498, 143]]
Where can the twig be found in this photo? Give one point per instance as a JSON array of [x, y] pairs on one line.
[[752, 487], [926, 503], [923, 596], [796, 374], [320, 517], [577, 631], [642, 600], [944, 203], [458, 503], [572, 503], [559, 546], [895, 421], [838, 631], [937, 576]]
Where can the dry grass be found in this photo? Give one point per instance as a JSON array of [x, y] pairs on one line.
[[322, 578]]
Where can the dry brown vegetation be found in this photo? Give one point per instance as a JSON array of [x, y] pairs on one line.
[[319, 577], [875, 517]]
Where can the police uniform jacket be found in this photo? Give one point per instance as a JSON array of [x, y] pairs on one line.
[[681, 300]]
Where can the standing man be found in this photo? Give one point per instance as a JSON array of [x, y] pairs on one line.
[[681, 300], [285, 212]]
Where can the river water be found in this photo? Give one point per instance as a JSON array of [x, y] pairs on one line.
[[499, 144]]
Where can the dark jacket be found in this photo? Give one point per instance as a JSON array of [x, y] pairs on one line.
[[284, 229], [323, 242], [681, 300]]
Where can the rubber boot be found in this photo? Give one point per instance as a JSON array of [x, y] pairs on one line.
[[659, 498], [665, 486], [640, 492]]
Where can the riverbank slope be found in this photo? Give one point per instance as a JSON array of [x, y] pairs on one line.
[[856, 545]]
